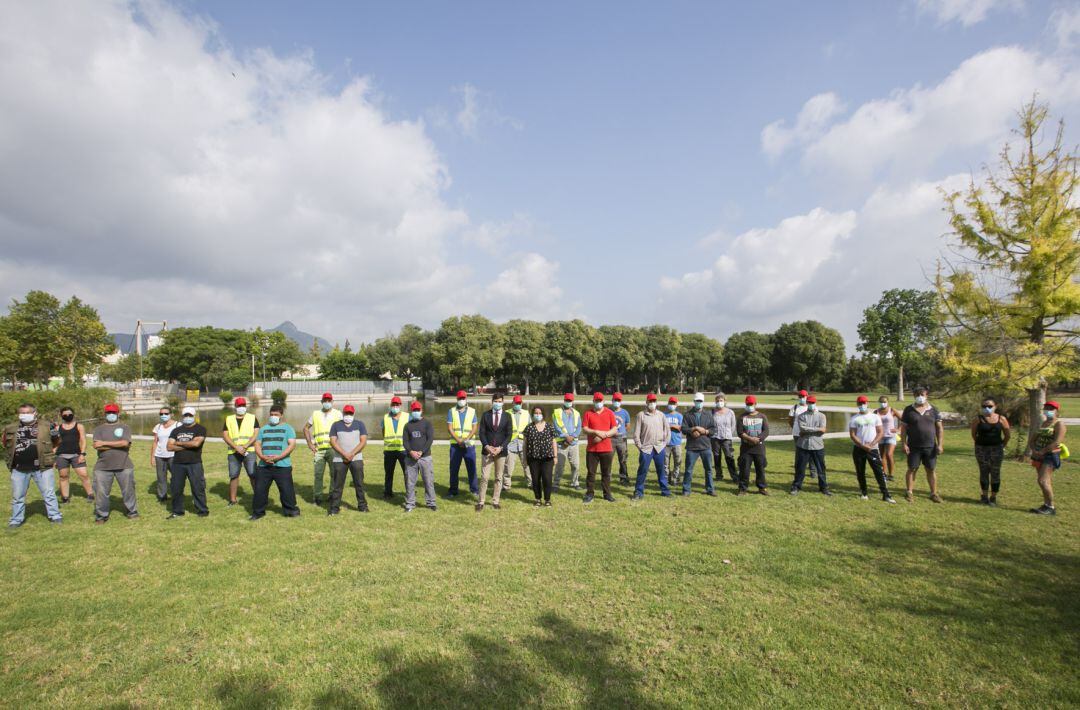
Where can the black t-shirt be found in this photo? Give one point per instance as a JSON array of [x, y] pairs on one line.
[[26, 447], [185, 432], [921, 428]]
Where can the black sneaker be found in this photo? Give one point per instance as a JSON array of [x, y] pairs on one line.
[[638, 496], [432, 507], [318, 500], [711, 493], [173, 516], [609, 498], [588, 499], [992, 501], [253, 518], [59, 521], [90, 498], [983, 500], [826, 492], [131, 516], [1044, 509], [65, 500], [331, 512]]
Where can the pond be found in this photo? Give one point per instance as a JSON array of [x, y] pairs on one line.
[[372, 414]]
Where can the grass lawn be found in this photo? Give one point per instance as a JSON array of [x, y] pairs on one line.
[[825, 603]]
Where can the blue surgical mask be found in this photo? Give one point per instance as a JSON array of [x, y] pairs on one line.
[[988, 410], [617, 404], [1049, 413], [111, 418], [415, 416], [802, 400], [538, 418], [863, 408], [395, 410], [496, 406], [920, 400], [517, 407], [811, 407], [671, 407], [749, 407], [274, 420], [598, 405], [567, 405], [720, 404], [698, 405], [326, 406], [163, 417], [188, 420]]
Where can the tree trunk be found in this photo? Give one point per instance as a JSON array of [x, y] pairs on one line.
[[526, 385], [900, 384], [1036, 400], [573, 384]]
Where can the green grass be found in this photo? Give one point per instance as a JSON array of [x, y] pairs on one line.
[[826, 602]]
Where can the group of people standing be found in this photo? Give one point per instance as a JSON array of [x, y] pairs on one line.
[[542, 443]]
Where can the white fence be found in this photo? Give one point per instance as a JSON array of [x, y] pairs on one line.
[[316, 387]]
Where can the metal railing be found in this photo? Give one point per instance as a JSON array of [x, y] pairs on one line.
[[317, 387]]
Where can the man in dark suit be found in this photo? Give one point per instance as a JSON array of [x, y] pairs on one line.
[[496, 430]]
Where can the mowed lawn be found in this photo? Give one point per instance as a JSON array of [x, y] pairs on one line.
[[710, 602]]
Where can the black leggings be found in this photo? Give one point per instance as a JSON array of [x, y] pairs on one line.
[[540, 470]]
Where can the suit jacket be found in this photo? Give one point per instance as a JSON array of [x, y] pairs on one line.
[[490, 436]]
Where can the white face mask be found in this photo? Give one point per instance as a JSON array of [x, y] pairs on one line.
[[415, 416], [598, 405], [671, 407], [749, 407], [920, 400], [461, 403], [326, 406], [189, 420], [348, 419], [802, 400], [862, 409], [720, 404], [651, 406], [111, 418], [617, 404], [538, 418], [27, 417], [274, 420], [394, 411], [241, 411], [883, 405]]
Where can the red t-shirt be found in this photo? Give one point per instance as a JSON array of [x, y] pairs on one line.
[[604, 420]]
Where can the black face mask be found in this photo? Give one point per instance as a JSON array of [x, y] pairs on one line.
[[67, 417]]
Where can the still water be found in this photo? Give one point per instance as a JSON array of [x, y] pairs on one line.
[[371, 415]]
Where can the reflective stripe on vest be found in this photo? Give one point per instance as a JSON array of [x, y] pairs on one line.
[[320, 427], [520, 420], [241, 435], [393, 430], [462, 427], [557, 420]]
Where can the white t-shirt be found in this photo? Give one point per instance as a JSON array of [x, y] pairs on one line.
[[865, 427], [161, 440], [794, 413]]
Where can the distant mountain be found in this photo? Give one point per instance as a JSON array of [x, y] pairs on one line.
[[304, 340], [125, 342]]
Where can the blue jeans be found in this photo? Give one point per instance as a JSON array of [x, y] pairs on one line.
[[20, 484], [706, 463], [656, 457], [468, 455]]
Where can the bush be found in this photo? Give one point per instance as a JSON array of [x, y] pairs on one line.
[[226, 397], [85, 401], [278, 397], [174, 402], [969, 404]]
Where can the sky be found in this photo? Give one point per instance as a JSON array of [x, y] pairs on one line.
[[352, 167]]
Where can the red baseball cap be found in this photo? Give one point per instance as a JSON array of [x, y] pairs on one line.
[[617, 396], [416, 406], [517, 399], [598, 397], [673, 400], [327, 395], [802, 393], [395, 400], [1052, 403], [861, 399], [650, 397], [750, 399], [811, 399], [348, 409], [568, 397], [240, 402], [113, 408], [461, 394]]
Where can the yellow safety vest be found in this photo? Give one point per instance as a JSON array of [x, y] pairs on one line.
[[520, 420], [320, 427], [556, 419], [393, 430], [243, 433], [462, 426]]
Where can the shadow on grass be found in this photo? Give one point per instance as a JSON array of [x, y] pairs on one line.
[[1006, 583], [495, 673]]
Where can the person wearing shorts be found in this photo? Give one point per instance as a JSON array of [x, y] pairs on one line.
[[239, 433], [890, 427], [71, 454], [923, 436], [1044, 448]]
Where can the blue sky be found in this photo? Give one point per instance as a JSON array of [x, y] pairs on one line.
[[612, 161]]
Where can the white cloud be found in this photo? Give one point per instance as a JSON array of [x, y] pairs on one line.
[[477, 109], [973, 108], [149, 168], [469, 115], [492, 236], [527, 289], [966, 12], [812, 120], [1065, 25]]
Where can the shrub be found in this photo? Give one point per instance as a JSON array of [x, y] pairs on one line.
[[85, 401], [226, 397], [278, 397]]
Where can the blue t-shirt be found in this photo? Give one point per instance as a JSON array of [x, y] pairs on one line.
[[623, 418], [674, 419], [275, 439]]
